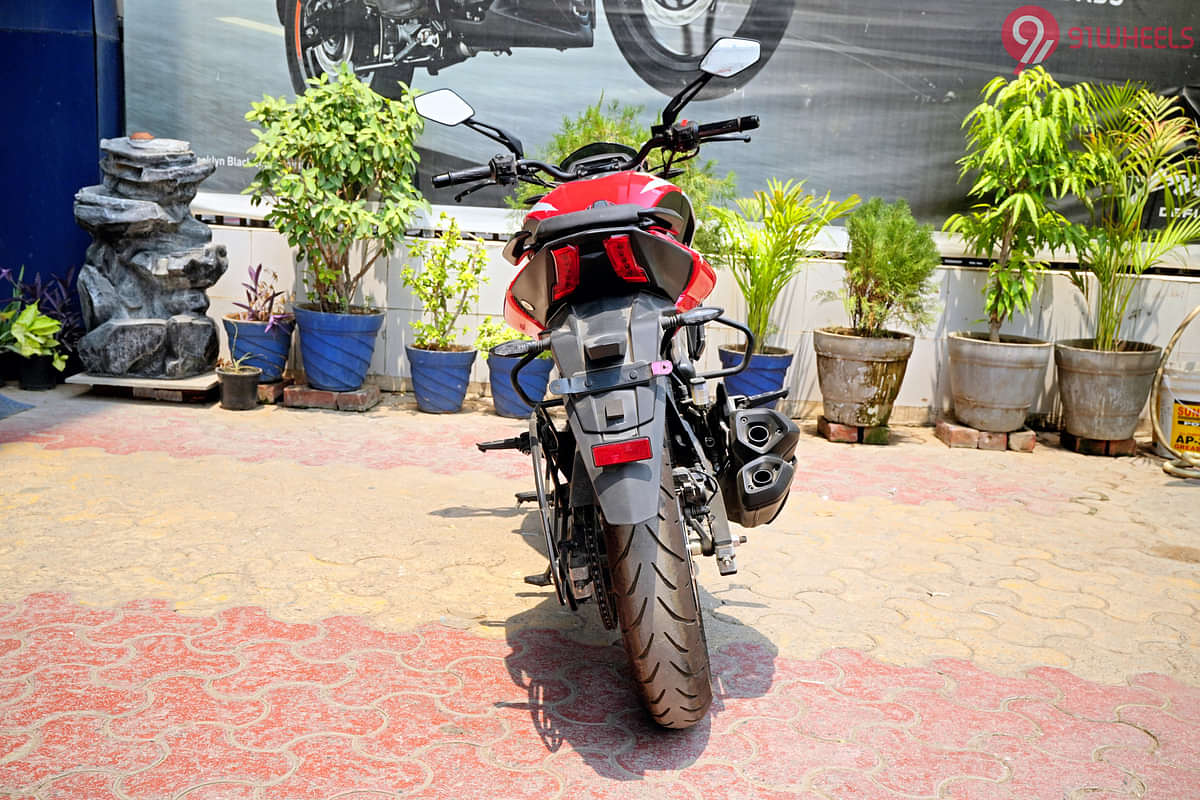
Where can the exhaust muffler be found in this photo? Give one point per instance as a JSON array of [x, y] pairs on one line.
[[757, 481]]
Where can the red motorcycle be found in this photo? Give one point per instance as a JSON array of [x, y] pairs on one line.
[[649, 469]]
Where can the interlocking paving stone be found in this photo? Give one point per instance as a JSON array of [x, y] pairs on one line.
[[543, 715], [196, 604]]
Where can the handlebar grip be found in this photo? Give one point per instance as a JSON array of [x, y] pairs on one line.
[[736, 125], [461, 176]]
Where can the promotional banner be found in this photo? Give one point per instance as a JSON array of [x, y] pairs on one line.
[[865, 97]]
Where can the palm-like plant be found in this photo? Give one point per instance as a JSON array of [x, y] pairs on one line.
[[765, 242], [1019, 145], [1142, 143]]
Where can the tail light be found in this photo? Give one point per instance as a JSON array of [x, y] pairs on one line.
[[566, 270], [699, 285], [624, 262], [605, 455]]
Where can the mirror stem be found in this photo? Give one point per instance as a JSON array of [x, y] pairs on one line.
[[512, 143], [685, 96]]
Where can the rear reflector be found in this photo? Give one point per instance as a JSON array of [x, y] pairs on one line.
[[621, 452], [566, 270], [624, 262]]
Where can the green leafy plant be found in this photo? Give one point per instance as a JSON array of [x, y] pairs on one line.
[[453, 268], [54, 299], [28, 332], [618, 122], [492, 332], [889, 268], [765, 243], [339, 165], [1134, 150], [1019, 144], [236, 365]]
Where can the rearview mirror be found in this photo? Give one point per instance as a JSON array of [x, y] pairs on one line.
[[728, 56], [443, 106]]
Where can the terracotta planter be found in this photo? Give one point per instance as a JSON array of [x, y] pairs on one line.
[[995, 383], [1103, 393], [860, 376]]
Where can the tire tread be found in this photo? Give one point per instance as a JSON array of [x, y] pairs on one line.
[[661, 623]]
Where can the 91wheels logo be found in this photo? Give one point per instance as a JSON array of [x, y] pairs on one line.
[[1031, 34]]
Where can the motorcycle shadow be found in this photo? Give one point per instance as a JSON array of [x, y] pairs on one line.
[[580, 690]]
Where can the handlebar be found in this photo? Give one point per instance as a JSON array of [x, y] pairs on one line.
[[736, 125], [461, 176], [504, 170]]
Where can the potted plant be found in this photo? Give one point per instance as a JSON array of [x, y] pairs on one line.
[[1133, 153], [339, 166], [27, 332], [533, 378], [1020, 147], [447, 285], [887, 279], [261, 333], [765, 242], [53, 297], [239, 383]]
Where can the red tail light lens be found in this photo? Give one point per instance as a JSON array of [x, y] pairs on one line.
[[621, 452], [624, 262], [566, 270], [699, 286]]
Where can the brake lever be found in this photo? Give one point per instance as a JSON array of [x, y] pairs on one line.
[[458, 198], [728, 139]]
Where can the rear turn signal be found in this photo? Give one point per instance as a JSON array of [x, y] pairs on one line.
[[566, 270], [624, 262], [621, 452]]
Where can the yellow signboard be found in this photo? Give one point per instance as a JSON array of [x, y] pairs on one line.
[[1185, 428]]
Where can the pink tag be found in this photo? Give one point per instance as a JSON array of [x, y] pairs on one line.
[[660, 367]]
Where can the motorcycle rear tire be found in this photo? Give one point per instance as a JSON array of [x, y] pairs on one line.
[[385, 81], [659, 609]]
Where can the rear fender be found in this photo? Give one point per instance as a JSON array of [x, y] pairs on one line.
[[604, 334], [627, 493]]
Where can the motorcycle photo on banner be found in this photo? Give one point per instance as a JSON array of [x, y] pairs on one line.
[[385, 41], [649, 470]]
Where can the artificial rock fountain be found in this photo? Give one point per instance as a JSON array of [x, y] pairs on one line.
[[142, 284]]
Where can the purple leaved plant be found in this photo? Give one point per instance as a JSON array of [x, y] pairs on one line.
[[54, 298], [263, 302]]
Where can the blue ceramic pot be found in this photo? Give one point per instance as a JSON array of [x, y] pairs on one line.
[[268, 350], [440, 378], [336, 348], [533, 381], [766, 372]]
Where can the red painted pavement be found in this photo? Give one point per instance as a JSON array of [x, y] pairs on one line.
[[447, 446], [144, 703]]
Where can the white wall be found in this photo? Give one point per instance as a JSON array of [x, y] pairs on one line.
[[1059, 312]]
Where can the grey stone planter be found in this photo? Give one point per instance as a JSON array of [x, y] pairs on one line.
[[860, 376], [1103, 393], [995, 383]]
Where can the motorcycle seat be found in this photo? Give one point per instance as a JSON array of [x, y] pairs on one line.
[[625, 215]]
